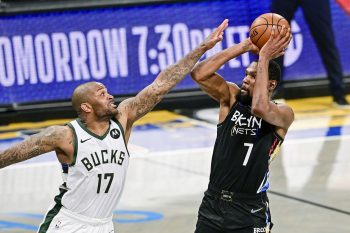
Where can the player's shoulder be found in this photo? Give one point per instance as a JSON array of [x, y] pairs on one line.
[[59, 132], [286, 111]]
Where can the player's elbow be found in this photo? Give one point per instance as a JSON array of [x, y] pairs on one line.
[[197, 75]]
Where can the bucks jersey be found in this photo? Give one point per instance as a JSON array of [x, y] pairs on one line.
[[95, 180], [244, 146]]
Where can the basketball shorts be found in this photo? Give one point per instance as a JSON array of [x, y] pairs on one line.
[[66, 221], [225, 212]]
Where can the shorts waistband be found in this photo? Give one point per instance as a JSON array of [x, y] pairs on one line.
[[231, 196], [85, 219]]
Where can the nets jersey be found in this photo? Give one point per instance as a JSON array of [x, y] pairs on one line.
[[95, 180], [244, 147]]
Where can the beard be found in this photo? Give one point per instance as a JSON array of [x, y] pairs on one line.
[[106, 113], [245, 99]]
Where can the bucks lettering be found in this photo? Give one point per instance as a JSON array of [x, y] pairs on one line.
[[245, 125], [104, 156]]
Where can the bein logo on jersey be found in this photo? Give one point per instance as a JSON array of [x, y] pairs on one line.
[[245, 125]]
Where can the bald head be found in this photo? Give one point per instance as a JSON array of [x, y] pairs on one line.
[[81, 95]]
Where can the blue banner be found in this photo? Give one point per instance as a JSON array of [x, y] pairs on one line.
[[44, 56]]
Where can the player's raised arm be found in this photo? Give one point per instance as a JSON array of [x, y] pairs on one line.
[[211, 82], [278, 115], [145, 100]]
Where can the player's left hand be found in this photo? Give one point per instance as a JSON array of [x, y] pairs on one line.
[[216, 36]]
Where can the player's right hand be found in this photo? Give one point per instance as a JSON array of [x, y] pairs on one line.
[[277, 43]]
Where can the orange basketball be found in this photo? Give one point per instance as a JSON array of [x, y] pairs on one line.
[[261, 28]]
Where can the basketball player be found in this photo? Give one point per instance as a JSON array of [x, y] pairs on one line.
[[93, 148], [250, 131]]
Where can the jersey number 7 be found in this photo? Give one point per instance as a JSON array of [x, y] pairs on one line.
[[250, 148]]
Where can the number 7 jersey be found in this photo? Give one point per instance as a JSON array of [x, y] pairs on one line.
[[95, 180], [244, 147]]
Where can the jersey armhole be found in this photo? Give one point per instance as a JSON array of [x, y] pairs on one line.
[[75, 144], [122, 129], [221, 123]]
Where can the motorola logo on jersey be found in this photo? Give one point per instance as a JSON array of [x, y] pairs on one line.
[[115, 133], [245, 125], [295, 46]]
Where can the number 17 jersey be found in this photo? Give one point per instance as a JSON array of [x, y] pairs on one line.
[[95, 180]]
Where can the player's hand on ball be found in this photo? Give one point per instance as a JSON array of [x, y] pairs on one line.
[[248, 45], [277, 43]]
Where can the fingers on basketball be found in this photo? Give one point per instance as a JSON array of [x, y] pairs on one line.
[[261, 28]]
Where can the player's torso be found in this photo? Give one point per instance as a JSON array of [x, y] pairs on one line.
[[96, 178], [242, 151]]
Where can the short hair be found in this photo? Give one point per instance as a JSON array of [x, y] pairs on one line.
[[80, 95], [274, 71]]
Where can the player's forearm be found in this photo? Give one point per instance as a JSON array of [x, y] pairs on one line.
[[260, 101], [210, 65], [45, 141], [170, 77], [165, 81], [20, 152]]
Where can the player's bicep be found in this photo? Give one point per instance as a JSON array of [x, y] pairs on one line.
[[279, 115]]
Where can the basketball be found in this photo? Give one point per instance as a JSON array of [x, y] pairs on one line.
[[261, 28]]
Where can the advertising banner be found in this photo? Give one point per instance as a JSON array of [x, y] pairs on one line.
[[44, 56]]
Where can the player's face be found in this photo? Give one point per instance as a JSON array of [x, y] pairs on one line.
[[248, 82], [102, 102]]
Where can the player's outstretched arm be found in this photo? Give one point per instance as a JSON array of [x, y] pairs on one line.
[[212, 83], [145, 100], [47, 140]]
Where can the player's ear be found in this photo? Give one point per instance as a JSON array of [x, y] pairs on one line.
[[272, 85], [86, 107]]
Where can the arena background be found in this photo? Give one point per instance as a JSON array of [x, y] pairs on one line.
[[49, 47]]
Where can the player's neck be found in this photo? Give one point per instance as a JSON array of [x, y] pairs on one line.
[[98, 127]]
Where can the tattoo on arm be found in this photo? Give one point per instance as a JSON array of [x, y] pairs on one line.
[[45, 141], [166, 80]]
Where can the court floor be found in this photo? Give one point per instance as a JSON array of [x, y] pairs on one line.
[[169, 170]]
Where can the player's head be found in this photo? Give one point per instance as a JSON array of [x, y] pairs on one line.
[[247, 88], [93, 98]]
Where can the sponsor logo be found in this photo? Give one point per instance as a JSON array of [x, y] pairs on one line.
[[115, 133], [82, 141], [254, 211], [58, 224], [259, 229]]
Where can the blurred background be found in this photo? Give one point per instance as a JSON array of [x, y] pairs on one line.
[[47, 48]]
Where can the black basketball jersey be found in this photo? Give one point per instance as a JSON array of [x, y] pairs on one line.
[[244, 146]]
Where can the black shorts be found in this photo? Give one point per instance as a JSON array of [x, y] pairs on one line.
[[226, 212]]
